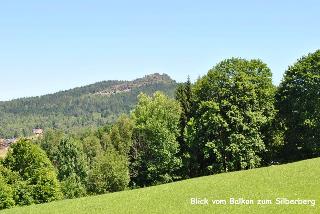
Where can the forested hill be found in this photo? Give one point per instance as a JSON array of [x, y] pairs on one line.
[[91, 105]]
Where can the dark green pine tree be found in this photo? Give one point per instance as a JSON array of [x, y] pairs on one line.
[[183, 95]]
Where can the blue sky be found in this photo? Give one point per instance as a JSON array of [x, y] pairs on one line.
[[47, 46]]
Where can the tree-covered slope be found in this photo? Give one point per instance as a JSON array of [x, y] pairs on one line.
[[294, 181], [91, 105]]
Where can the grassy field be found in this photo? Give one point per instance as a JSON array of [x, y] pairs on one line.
[[300, 180]]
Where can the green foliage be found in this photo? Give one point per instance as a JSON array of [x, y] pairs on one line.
[[106, 141], [92, 148], [273, 138], [49, 142], [22, 192], [38, 182], [26, 158], [115, 138], [72, 187], [110, 173], [298, 101], [9, 176], [233, 102], [184, 96], [69, 155], [46, 187], [154, 152], [76, 108], [121, 134], [6, 195], [58, 147], [71, 159], [226, 121]]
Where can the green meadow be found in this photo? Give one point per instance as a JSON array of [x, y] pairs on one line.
[[294, 181]]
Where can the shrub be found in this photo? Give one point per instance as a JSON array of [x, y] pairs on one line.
[[6, 195], [72, 187], [109, 174]]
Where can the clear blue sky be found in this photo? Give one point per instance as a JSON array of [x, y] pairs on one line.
[[47, 46]]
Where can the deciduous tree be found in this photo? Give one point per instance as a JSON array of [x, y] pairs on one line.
[[155, 148], [298, 101], [233, 102]]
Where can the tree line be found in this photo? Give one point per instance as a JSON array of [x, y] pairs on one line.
[[76, 108], [233, 118]]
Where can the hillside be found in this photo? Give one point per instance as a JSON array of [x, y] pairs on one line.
[[91, 105], [258, 184]]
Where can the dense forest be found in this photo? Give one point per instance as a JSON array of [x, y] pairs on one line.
[[233, 118], [92, 105]]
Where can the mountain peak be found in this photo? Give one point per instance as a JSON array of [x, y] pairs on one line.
[[127, 86], [157, 77]]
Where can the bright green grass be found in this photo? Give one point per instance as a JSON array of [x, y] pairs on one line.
[[294, 181]]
